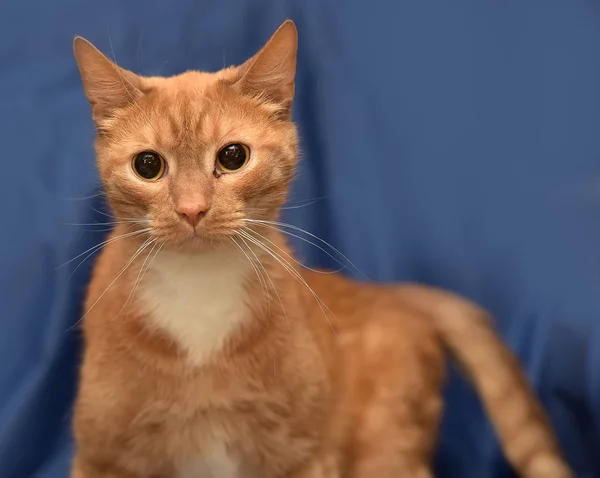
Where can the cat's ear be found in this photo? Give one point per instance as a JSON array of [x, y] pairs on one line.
[[107, 86], [272, 70]]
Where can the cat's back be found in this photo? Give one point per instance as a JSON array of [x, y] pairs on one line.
[[351, 304]]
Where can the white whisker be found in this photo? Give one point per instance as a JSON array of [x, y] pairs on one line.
[[114, 218], [258, 274], [84, 198], [108, 241], [299, 229], [293, 272], [268, 224], [289, 255], [125, 267], [260, 270], [96, 249], [104, 229], [287, 320], [113, 223], [309, 203], [141, 273]]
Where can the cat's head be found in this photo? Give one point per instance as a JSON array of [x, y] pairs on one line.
[[194, 155]]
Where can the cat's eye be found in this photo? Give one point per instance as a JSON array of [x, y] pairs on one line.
[[149, 165], [233, 157]]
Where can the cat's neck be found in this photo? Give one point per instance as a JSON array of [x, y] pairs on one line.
[[200, 300]]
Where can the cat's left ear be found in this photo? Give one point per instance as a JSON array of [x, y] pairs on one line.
[[271, 71], [107, 86]]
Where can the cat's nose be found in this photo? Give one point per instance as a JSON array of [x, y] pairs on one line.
[[192, 212]]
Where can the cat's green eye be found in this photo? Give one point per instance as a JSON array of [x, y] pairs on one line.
[[149, 165], [233, 157]]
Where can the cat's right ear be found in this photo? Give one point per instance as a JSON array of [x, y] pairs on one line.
[[107, 86]]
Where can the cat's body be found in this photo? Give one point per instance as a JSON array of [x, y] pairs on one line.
[[210, 353], [252, 400]]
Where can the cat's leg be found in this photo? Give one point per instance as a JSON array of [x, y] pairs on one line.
[[394, 381], [130, 453], [322, 467], [77, 469], [401, 451], [85, 469], [93, 468], [127, 463]]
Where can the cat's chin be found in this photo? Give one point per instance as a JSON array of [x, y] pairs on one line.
[[197, 244]]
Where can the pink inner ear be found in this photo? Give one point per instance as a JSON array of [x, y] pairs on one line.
[[272, 70], [107, 86]]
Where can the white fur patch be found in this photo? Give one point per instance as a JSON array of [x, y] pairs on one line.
[[198, 299], [215, 463]]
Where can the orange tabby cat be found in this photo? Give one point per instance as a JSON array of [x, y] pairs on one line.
[[208, 353]]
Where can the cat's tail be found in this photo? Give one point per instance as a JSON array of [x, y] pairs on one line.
[[523, 428]]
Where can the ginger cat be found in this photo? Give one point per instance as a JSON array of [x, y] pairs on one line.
[[210, 353]]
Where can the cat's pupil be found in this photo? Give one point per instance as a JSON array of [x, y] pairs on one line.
[[232, 157], [148, 165]]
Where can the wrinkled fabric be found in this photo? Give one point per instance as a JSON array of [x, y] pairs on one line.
[[455, 143]]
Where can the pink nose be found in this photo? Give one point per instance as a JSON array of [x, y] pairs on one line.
[[192, 212]]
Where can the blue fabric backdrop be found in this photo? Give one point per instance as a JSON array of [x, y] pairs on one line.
[[456, 143]]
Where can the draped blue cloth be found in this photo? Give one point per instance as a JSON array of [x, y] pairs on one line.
[[455, 143]]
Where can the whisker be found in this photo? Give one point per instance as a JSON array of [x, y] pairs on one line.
[[120, 218], [299, 229], [290, 256], [157, 252], [288, 267], [287, 320], [108, 241], [305, 203], [88, 256], [125, 267], [293, 272], [260, 277], [104, 229], [291, 234], [310, 203], [261, 272], [101, 212], [140, 274], [114, 223], [84, 198], [264, 272]]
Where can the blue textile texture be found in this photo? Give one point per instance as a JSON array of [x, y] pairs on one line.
[[455, 143]]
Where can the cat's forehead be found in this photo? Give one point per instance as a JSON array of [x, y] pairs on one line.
[[189, 88], [192, 109], [190, 82]]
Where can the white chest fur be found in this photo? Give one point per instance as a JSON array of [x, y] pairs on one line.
[[198, 299], [216, 464]]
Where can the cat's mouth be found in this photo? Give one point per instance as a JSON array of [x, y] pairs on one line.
[[196, 241], [204, 236]]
